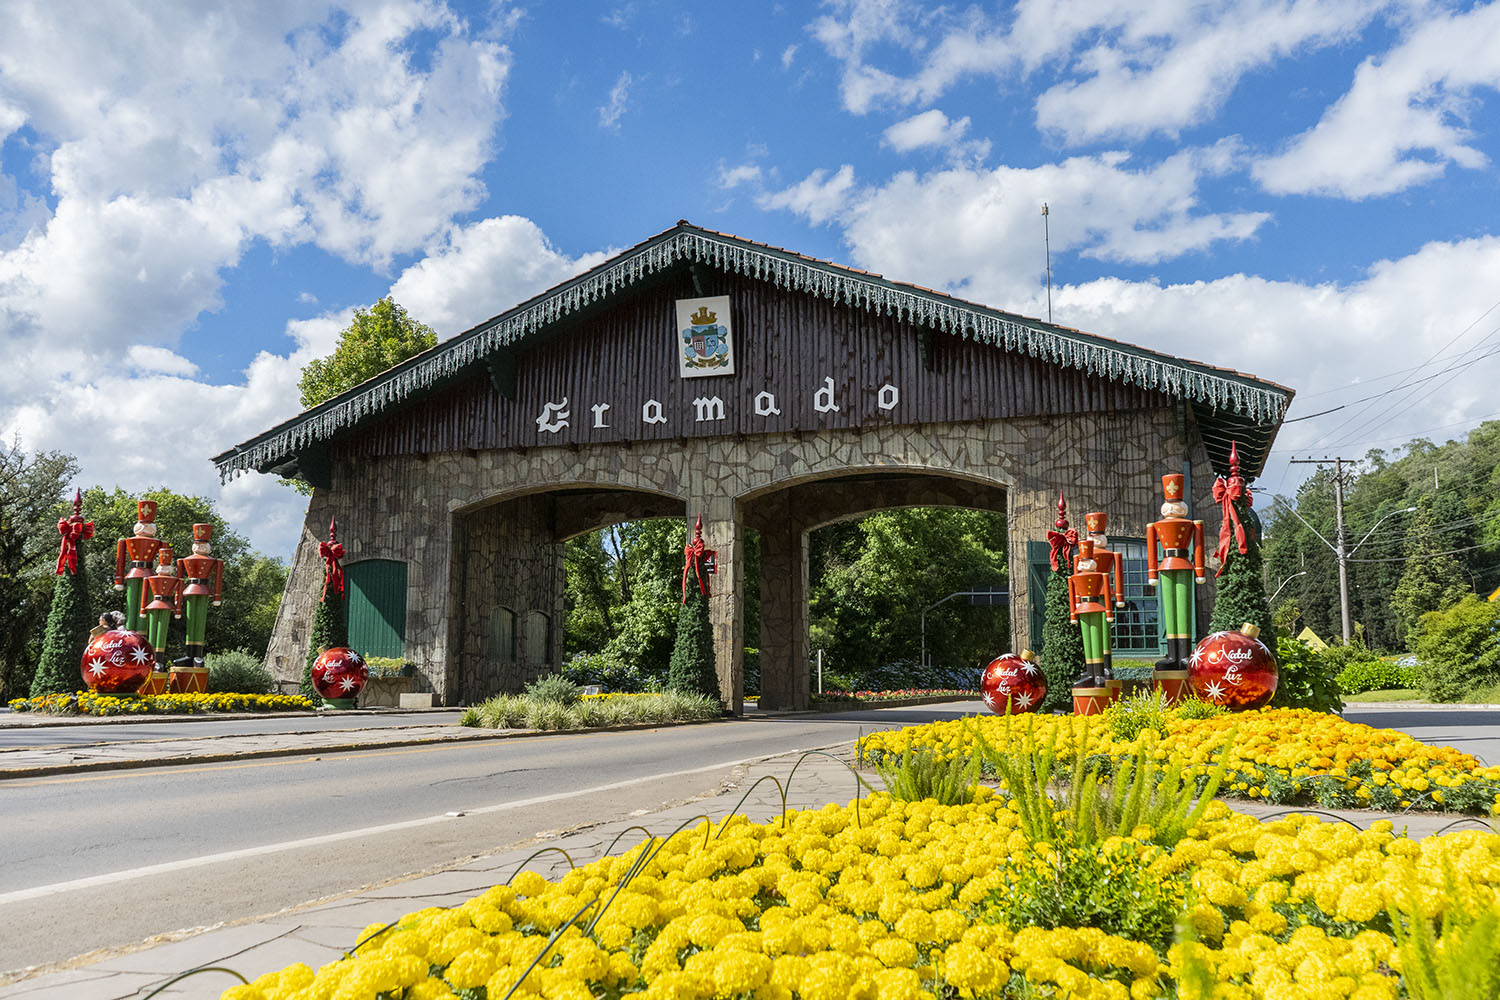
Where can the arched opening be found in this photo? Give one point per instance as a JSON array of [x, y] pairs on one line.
[[509, 575], [785, 516]]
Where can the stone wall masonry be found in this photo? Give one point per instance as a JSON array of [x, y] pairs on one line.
[[409, 508]]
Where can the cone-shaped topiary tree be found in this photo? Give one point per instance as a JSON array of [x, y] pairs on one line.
[[691, 669], [1062, 641], [329, 628], [1241, 588], [72, 614]]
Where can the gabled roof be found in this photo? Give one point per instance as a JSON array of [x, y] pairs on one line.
[[1231, 402]]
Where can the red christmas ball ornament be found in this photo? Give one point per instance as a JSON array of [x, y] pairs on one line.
[[1014, 681], [117, 662], [339, 673], [1234, 669]]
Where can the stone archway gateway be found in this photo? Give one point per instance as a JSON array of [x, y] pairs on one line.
[[702, 373]]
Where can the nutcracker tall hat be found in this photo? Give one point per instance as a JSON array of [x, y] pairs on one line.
[[145, 511], [1172, 485], [203, 532], [1097, 522]]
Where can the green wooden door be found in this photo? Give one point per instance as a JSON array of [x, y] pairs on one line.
[[377, 607], [1038, 572]]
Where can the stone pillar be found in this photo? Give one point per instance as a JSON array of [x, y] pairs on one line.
[[783, 609], [722, 532]]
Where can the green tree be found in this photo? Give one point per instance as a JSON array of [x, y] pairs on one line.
[[31, 492], [692, 668], [1241, 588], [330, 629], [1458, 648], [377, 339], [1432, 580], [870, 581], [1062, 643], [252, 582], [68, 626]]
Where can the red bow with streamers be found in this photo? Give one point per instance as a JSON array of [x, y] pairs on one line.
[[693, 553], [73, 530], [1226, 492], [332, 552], [1065, 539]]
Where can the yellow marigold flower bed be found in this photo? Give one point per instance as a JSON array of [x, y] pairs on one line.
[[90, 703], [894, 900], [1281, 755]]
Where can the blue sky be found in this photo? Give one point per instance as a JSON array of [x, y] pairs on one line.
[[194, 197]]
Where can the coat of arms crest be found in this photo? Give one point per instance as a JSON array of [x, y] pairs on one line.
[[704, 346]]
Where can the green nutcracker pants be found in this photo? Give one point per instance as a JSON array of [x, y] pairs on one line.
[[195, 614], [1095, 636], [1175, 590], [157, 623], [133, 616]]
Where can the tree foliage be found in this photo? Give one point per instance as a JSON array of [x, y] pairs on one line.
[[32, 487], [68, 625], [1460, 484], [1240, 590], [252, 582], [1062, 643], [330, 629], [377, 339], [1458, 649], [692, 668]]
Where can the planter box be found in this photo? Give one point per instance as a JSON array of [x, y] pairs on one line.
[[424, 699], [384, 692]]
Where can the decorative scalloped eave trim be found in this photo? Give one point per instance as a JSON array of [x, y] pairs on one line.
[[1079, 352]]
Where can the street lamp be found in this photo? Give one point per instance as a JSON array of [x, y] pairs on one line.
[[1343, 556], [1283, 584]]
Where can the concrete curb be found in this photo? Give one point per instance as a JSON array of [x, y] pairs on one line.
[[9, 719], [179, 760]]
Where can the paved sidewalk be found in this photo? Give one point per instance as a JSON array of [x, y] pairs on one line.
[[19, 762]]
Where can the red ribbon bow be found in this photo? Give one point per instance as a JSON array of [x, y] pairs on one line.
[[1063, 543], [693, 559], [1225, 494], [333, 573], [73, 530]]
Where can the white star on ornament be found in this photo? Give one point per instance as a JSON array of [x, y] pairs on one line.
[[346, 683], [1197, 658], [97, 668], [139, 654], [1215, 691], [1030, 669], [1024, 700]]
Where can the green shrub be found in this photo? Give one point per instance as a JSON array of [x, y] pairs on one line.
[[609, 672], [1306, 679], [1364, 671], [1194, 707], [554, 689], [921, 774], [1092, 886], [238, 671], [1129, 717], [1458, 649], [471, 718], [390, 666], [692, 668]]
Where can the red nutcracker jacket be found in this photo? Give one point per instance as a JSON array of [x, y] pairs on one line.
[[138, 551], [197, 574], [1088, 592], [1111, 564], [161, 593], [1181, 540]]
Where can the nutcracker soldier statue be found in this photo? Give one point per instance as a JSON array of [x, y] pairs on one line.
[[1173, 572], [202, 580], [1112, 565], [159, 600], [137, 550], [1090, 596]]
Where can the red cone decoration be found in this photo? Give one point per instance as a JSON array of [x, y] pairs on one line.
[[1234, 669], [117, 662], [1014, 681]]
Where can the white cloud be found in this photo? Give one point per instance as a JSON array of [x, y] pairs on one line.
[[977, 231], [159, 361], [733, 177], [615, 106], [788, 54], [1404, 118], [484, 269], [932, 129], [1127, 70], [818, 196]]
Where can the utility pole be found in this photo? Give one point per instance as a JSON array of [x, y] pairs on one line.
[[1339, 550]]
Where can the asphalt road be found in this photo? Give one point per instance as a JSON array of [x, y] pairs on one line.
[[13, 734], [102, 828]]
